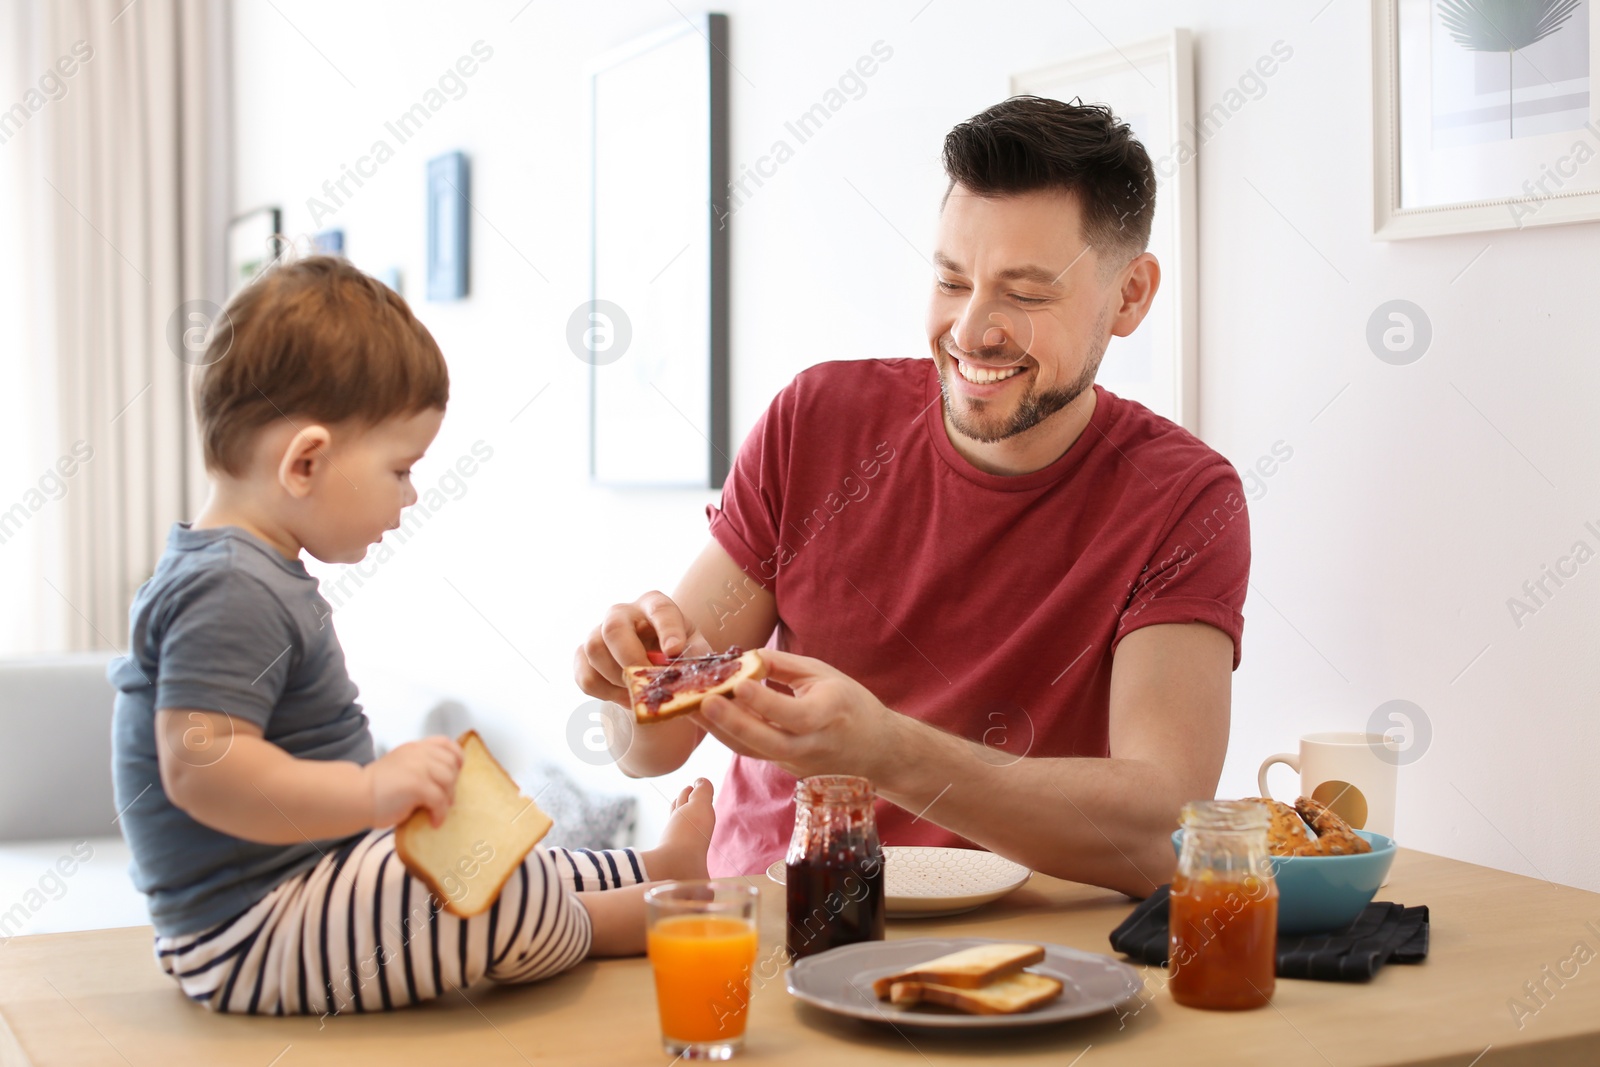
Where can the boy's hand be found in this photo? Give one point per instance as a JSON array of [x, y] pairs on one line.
[[418, 774]]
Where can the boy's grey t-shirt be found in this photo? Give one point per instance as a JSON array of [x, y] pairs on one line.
[[225, 624]]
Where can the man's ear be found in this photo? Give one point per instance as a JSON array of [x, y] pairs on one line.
[[304, 459], [1139, 281]]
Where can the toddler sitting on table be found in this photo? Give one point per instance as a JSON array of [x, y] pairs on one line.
[[261, 824]]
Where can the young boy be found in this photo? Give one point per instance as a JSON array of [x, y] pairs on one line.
[[260, 823]]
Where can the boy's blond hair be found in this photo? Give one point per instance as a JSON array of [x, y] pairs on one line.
[[313, 340]]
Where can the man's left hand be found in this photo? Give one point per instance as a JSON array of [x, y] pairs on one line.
[[831, 725]]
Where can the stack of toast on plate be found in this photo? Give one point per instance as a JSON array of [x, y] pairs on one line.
[[984, 980]]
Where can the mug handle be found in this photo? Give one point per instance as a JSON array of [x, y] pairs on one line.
[[1288, 759]]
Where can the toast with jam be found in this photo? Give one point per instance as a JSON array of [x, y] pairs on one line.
[[668, 688]]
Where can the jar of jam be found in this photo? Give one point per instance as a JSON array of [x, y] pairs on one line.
[[1222, 946], [834, 867]]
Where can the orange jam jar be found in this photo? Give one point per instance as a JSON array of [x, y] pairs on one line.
[[1222, 945]]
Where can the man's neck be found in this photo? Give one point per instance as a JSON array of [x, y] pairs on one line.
[[1032, 450]]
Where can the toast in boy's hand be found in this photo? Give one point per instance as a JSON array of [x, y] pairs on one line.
[[983, 980], [490, 828], [676, 687], [1004, 996]]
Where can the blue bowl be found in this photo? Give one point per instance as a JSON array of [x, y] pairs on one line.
[[1317, 894]]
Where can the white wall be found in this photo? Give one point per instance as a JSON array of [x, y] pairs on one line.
[[1385, 548]]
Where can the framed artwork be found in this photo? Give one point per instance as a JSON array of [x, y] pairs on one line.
[[255, 241], [1150, 86], [328, 242], [654, 330], [448, 246], [1484, 115]]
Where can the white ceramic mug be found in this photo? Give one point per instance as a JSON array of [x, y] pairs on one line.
[[1354, 774]]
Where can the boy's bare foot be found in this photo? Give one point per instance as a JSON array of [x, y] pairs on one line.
[[687, 836]]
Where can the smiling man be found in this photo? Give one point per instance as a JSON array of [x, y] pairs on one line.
[[1007, 596]]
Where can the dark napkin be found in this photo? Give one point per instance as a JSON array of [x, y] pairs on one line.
[[1383, 933]]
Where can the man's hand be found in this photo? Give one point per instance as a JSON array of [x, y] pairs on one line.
[[417, 774], [831, 725], [624, 639], [716, 606]]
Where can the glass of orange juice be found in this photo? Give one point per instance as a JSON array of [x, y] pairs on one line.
[[702, 944]]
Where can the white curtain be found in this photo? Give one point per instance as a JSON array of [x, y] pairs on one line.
[[27, 423], [128, 192]]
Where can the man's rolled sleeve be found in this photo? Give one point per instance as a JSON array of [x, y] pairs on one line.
[[747, 523], [1201, 571]]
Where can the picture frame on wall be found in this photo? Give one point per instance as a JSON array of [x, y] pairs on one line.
[[1150, 86], [328, 242], [255, 241], [449, 247], [1485, 115], [654, 329]]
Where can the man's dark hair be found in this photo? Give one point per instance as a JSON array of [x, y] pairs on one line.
[[1029, 143]]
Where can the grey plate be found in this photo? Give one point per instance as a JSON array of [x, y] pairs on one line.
[[840, 980]]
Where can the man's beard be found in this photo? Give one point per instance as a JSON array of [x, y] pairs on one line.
[[1032, 409]]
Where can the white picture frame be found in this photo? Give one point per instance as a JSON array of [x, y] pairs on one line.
[[655, 331], [1429, 179], [1150, 86]]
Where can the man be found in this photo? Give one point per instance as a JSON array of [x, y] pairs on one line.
[[1005, 595]]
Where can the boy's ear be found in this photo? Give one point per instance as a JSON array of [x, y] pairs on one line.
[[303, 459]]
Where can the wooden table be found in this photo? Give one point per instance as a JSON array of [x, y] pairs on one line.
[[97, 998]]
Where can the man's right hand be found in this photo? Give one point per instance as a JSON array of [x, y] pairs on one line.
[[726, 607], [624, 639]]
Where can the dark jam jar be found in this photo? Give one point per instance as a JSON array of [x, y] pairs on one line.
[[834, 867]]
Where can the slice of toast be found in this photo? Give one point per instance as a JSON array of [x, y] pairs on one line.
[[967, 969], [1014, 993], [490, 828], [643, 682]]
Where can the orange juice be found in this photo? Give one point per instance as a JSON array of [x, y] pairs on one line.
[[702, 968]]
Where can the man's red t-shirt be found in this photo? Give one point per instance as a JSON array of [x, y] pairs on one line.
[[986, 605]]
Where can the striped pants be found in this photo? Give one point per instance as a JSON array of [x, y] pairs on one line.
[[357, 932]]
